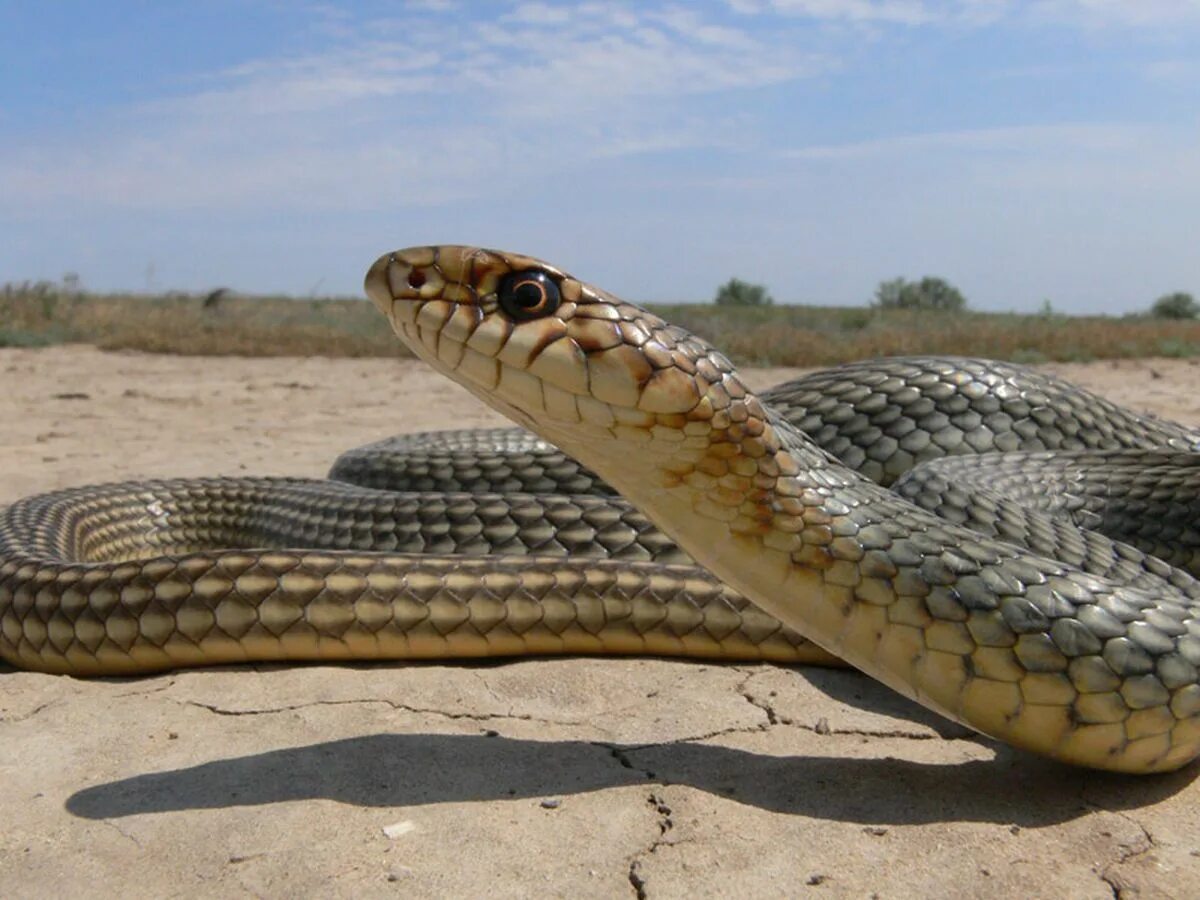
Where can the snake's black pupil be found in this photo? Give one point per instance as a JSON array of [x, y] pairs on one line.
[[528, 295]]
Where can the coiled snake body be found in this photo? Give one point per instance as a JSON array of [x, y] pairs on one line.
[[988, 604]]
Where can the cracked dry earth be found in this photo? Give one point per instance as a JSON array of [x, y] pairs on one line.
[[580, 777]]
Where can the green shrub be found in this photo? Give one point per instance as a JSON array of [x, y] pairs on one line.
[[13, 337], [1178, 305], [928, 293], [736, 292]]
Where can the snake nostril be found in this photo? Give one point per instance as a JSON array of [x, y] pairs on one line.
[[416, 278]]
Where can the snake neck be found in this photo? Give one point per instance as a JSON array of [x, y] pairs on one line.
[[719, 477]]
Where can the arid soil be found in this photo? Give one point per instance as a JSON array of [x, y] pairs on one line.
[[570, 777]]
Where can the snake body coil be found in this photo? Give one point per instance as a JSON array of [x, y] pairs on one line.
[[999, 611]]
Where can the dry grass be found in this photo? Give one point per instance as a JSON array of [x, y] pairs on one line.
[[40, 314], [233, 326], [803, 336]]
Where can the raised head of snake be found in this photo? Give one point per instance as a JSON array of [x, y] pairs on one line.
[[597, 376], [1021, 647], [657, 412]]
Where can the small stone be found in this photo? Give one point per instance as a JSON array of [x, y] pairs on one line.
[[822, 726], [397, 872], [551, 803], [397, 829], [816, 878]]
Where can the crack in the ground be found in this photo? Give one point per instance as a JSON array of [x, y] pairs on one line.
[[1140, 848], [772, 719], [637, 879], [1118, 883], [122, 832], [487, 687], [822, 726], [429, 710], [158, 689], [7, 720], [1121, 886], [621, 755], [1121, 889], [766, 708], [399, 707]]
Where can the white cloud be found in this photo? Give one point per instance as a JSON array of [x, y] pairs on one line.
[[1104, 179], [906, 12], [1098, 13], [409, 111], [433, 106], [1016, 140], [540, 14], [1080, 13]]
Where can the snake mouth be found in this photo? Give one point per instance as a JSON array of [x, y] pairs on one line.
[[420, 274]]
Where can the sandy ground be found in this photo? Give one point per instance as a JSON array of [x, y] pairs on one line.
[[581, 777]]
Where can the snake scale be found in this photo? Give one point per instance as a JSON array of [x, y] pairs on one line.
[[1045, 597]]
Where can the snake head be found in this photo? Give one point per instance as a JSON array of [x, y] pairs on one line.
[[543, 347]]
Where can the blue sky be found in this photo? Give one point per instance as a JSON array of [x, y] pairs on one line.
[[1024, 150]]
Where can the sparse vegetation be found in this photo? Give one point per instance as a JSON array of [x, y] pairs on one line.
[[736, 292], [1179, 305], [38, 314], [789, 335], [929, 293], [179, 323]]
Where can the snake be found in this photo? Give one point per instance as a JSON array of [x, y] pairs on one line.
[[1000, 546]]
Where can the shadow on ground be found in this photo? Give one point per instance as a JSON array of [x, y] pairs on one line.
[[416, 769]]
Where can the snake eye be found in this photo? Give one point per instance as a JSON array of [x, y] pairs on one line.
[[525, 296]]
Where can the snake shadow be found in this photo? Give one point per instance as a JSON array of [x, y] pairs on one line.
[[416, 769]]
